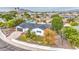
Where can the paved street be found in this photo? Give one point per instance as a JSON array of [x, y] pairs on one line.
[[7, 47]]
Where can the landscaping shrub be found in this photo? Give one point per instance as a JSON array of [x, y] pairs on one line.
[[18, 21], [2, 24], [74, 24], [49, 36], [47, 39], [23, 37], [10, 23], [72, 35], [70, 20]]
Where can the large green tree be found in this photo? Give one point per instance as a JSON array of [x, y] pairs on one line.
[[2, 24], [10, 23], [13, 13], [72, 35], [7, 17], [18, 21], [27, 15], [57, 23]]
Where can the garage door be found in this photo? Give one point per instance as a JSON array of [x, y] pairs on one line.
[[19, 29]]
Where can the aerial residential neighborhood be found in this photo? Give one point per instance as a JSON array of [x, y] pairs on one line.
[[37, 29]]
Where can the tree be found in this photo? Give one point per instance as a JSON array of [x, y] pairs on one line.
[[68, 31], [23, 37], [57, 23], [0, 15], [10, 23], [7, 17], [70, 20], [55, 15], [30, 34], [2, 24], [72, 35], [74, 24], [27, 15], [13, 13], [49, 36], [18, 21]]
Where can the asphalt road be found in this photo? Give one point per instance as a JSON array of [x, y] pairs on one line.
[[7, 47]]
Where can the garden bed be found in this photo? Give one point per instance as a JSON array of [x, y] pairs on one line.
[[38, 42], [59, 43]]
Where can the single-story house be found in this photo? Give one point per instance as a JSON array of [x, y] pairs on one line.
[[37, 28], [67, 16], [30, 21]]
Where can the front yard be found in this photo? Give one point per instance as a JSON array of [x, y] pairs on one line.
[[49, 39]]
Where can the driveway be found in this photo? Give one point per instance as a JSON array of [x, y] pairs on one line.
[[7, 47], [4, 46], [14, 35]]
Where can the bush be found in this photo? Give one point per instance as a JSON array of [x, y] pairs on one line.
[[10, 23], [71, 20], [7, 17], [49, 36], [18, 21], [73, 23], [23, 37], [72, 35], [2, 24]]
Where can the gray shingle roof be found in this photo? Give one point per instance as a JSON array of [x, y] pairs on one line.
[[32, 25]]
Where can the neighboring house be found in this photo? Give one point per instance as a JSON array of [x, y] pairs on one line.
[[30, 21], [37, 28], [67, 25]]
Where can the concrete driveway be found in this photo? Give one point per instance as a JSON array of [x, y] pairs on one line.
[[14, 35], [7, 47]]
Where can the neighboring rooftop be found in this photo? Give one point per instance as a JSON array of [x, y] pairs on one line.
[[41, 9]]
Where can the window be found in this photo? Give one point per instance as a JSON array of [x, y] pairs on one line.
[[39, 31], [19, 29]]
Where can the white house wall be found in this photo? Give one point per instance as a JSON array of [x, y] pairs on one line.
[[37, 33], [25, 30]]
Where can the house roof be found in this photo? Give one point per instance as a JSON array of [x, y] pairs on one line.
[[69, 16], [32, 25], [44, 26], [30, 21]]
